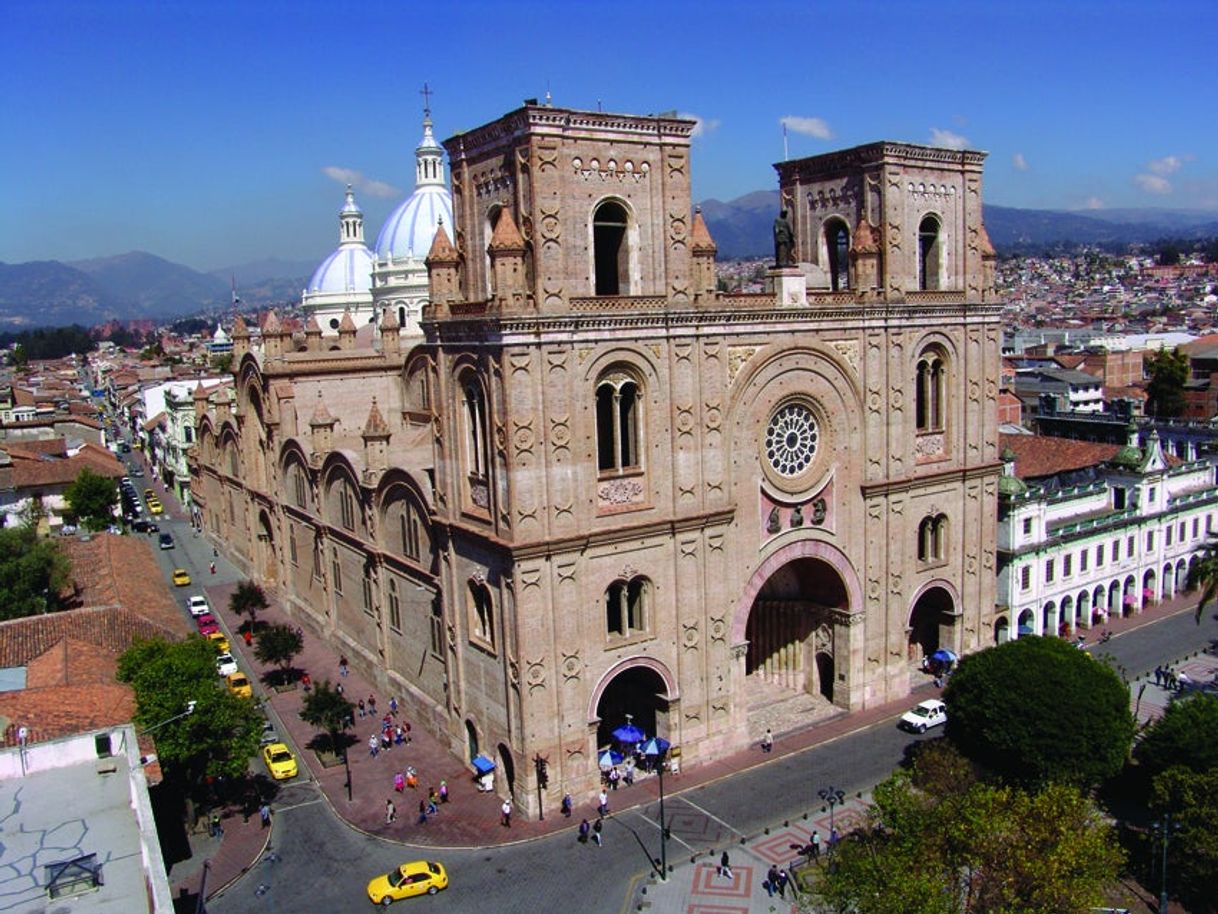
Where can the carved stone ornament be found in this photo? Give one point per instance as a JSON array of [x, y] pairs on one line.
[[628, 571], [848, 350], [718, 629], [929, 445], [740, 651], [822, 639], [689, 637], [620, 491], [736, 357], [535, 674], [523, 437], [774, 522], [797, 517], [819, 510], [713, 416], [480, 494], [685, 419], [572, 666], [560, 432], [479, 578]]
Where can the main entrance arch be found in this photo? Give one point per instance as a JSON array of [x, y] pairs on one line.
[[931, 621], [636, 691]]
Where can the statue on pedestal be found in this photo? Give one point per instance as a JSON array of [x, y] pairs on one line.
[[784, 241]]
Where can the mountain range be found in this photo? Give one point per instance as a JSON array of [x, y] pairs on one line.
[[138, 285]]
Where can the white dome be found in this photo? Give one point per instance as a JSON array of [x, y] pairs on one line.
[[349, 269], [411, 228]]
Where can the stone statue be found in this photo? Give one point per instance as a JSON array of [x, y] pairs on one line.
[[784, 241]]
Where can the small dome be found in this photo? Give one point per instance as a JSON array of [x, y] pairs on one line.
[[411, 228], [1011, 486], [1128, 456], [348, 269], [219, 336]]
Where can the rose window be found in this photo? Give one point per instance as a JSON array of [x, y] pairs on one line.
[[790, 440]]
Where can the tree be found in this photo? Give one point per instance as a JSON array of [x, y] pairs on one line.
[[1036, 710], [984, 848], [222, 363], [91, 499], [1191, 798], [278, 645], [248, 600], [33, 573], [18, 357], [1185, 736], [1204, 574], [329, 710], [1169, 371], [218, 737]]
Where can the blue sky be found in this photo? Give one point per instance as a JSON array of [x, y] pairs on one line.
[[214, 133]]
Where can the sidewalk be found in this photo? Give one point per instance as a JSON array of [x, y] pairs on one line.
[[472, 819]]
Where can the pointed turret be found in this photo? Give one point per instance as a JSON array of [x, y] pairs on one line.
[[703, 248], [443, 263], [346, 332], [312, 334], [989, 261], [391, 343], [241, 341], [864, 258], [322, 427], [376, 439], [428, 156], [200, 400], [507, 250], [350, 221], [273, 336]]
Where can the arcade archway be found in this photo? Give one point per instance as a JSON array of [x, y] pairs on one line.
[[638, 695], [790, 628], [930, 623]]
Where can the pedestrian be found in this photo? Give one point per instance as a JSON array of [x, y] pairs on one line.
[[393, 704], [602, 806], [339, 689], [215, 829], [372, 705], [399, 782], [725, 866], [783, 879], [584, 829], [767, 742], [391, 812], [567, 803], [412, 778], [432, 798], [386, 742], [406, 727], [212, 566], [506, 812], [597, 828], [1159, 675], [816, 845], [374, 745], [342, 666], [248, 636], [360, 705], [614, 777], [771, 881], [628, 773], [834, 837], [399, 735], [264, 811], [422, 813], [307, 681], [444, 791]]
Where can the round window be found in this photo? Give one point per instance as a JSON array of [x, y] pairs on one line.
[[791, 439]]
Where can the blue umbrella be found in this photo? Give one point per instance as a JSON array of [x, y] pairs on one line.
[[609, 758], [943, 655], [655, 747], [629, 733]]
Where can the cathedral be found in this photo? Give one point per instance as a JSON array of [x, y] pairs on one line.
[[594, 490]]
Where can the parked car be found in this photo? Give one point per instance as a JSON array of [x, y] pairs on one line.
[[140, 525], [419, 877], [217, 638], [239, 685], [923, 716], [155, 507], [198, 605], [268, 734], [166, 541], [226, 664], [207, 624], [181, 577]]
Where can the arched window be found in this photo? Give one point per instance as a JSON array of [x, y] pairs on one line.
[[346, 506], [234, 466], [611, 249], [617, 423], [482, 614], [932, 538], [476, 455], [626, 608], [929, 251], [930, 391], [837, 246], [402, 316], [292, 544], [395, 605], [300, 485]]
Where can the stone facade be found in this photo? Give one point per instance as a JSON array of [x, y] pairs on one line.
[[600, 491]]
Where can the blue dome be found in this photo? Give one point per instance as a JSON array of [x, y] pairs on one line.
[[411, 228], [349, 269]]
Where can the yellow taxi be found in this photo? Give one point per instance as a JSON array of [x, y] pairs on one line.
[[221, 643], [279, 761], [181, 578], [155, 507], [239, 685], [419, 877]]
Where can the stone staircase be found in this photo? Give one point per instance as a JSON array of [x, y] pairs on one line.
[[781, 709]]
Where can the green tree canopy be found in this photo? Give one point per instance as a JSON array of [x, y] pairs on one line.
[[278, 645], [33, 573], [983, 849], [1191, 798], [91, 499], [1204, 574], [248, 600], [1185, 736], [218, 737], [1037, 710], [1168, 374], [327, 709]]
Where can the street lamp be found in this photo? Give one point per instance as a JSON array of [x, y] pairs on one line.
[[190, 709], [1163, 830], [656, 748], [834, 798]]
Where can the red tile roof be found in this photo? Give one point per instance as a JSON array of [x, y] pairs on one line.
[[32, 468], [1041, 455]]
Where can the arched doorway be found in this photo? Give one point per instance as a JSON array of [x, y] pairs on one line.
[[1114, 599], [1149, 593], [637, 694], [1027, 624], [1129, 597], [1002, 630], [1049, 619], [268, 564], [930, 623], [471, 739], [1067, 624], [1169, 582], [790, 629], [1084, 609], [508, 767]]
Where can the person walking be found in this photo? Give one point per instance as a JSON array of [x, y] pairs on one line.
[[391, 811], [585, 829], [393, 704], [506, 814], [771, 881], [767, 741], [422, 820], [444, 791], [1159, 675], [372, 705], [264, 812], [399, 782], [567, 803], [783, 879], [815, 845], [725, 866], [360, 706], [597, 828], [343, 667], [432, 799], [216, 829], [602, 806], [374, 745]]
